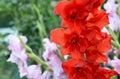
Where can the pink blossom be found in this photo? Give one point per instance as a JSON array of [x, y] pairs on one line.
[[14, 43], [53, 60], [46, 75], [111, 8], [50, 48], [55, 63], [116, 64], [114, 20], [18, 55], [34, 72], [116, 51]]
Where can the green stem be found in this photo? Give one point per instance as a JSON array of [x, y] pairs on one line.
[[39, 61], [33, 56], [111, 33], [115, 41], [116, 44], [40, 20]]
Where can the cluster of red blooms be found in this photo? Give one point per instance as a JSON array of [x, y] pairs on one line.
[[82, 39]]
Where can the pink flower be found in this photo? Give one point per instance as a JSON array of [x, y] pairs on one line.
[[114, 22], [116, 51], [14, 43], [110, 6], [18, 55], [52, 59], [116, 64], [34, 72], [46, 75], [114, 19], [50, 48], [55, 63]]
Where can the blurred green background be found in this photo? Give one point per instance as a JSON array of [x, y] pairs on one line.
[[32, 18]]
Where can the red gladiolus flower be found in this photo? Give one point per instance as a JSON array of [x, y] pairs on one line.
[[98, 39], [71, 12], [79, 69], [82, 38], [92, 43], [100, 43], [72, 42], [74, 15]]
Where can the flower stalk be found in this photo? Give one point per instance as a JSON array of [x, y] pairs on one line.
[[115, 41], [33, 56]]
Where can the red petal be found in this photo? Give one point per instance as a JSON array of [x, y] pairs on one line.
[[99, 19], [96, 56], [104, 45], [102, 73], [56, 36], [60, 6]]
